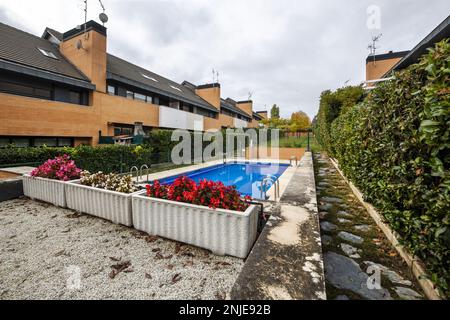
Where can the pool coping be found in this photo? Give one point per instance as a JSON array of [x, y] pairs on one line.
[[286, 262], [284, 179]]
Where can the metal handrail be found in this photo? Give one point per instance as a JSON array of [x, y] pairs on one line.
[[144, 166], [296, 161], [275, 183], [137, 172]]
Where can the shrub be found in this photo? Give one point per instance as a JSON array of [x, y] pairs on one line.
[[395, 147], [111, 181], [60, 168], [206, 193], [332, 104], [108, 158]]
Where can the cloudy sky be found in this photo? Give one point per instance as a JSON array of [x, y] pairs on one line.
[[282, 51]]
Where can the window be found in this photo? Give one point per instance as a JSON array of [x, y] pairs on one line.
[[75, 97], [174, 104], [43, 93], [205, 113], [49, 142], [139, 97], [149, 99], [48, 53], [187, 108], [123, 131], [64, 142], [25, 90], [20, 142], [4, 142], [149, 77], [111, 90], [130, 94], [173, 87], [36, 142]]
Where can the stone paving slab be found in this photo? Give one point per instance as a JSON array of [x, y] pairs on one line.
[[18, 170], [360, 263], [286, 261]]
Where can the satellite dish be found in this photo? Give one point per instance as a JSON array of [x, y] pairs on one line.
[[103, 17]]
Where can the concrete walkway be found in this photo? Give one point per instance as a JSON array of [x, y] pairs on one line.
[[286, 261]]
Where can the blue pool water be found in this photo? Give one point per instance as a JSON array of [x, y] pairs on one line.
[[247, 177]]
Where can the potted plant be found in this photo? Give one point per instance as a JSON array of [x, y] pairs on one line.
[[47, 182], [107, 196], [208, 215]]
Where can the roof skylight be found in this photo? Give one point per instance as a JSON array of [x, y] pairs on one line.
[[48, 53], [173, 87], [148, 77]]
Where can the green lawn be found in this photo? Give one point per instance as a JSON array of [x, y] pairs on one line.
[[300, 142]]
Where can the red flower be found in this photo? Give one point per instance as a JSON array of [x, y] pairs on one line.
[[207, 193]]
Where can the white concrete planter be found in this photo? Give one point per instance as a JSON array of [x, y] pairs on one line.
[[47, 190], [224, 232], [109, 205]]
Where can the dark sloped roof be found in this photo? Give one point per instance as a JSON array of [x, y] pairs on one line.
[[387, 56], [58, 35], [226, 104], [442, 31], [124, 71], [255, 115], [21, 48]]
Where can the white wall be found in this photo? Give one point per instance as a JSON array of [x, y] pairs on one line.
[[238, 123], [178, 119]]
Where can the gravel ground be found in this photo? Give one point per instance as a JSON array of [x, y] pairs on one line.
[[43, 249]]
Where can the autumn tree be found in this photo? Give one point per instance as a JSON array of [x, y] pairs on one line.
[[299, 122]]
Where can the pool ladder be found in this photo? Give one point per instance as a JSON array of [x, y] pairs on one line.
[[292, 159], [275, 183], [139, 171]]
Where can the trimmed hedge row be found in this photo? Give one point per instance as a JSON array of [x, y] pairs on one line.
[[156, 148], [109, 158], [331, 105], [395, 146]]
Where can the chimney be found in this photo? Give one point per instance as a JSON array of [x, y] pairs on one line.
[[263, 114], [246, 106], [85, 47], [210, 93]]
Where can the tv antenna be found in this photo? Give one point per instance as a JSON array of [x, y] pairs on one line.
[[250, 95], [373, 46], [103, 18], [215, 75]]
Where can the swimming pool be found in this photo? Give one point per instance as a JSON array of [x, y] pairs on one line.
[[247, 177]]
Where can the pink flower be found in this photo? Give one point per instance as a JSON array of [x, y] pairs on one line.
[[60, 168]]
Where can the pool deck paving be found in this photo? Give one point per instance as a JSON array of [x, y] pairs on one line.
[[286, 262]]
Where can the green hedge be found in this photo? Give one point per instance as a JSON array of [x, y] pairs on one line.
[[331, 105], [156, 148], [395, 148], [110, 158]]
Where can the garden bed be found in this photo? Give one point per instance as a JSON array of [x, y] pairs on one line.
[[224, 232], [106, 204], [47, 190]]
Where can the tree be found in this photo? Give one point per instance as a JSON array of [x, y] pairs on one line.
[[299, 121], [275, 112]]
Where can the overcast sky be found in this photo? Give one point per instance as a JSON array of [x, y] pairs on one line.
[[282, 51]]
